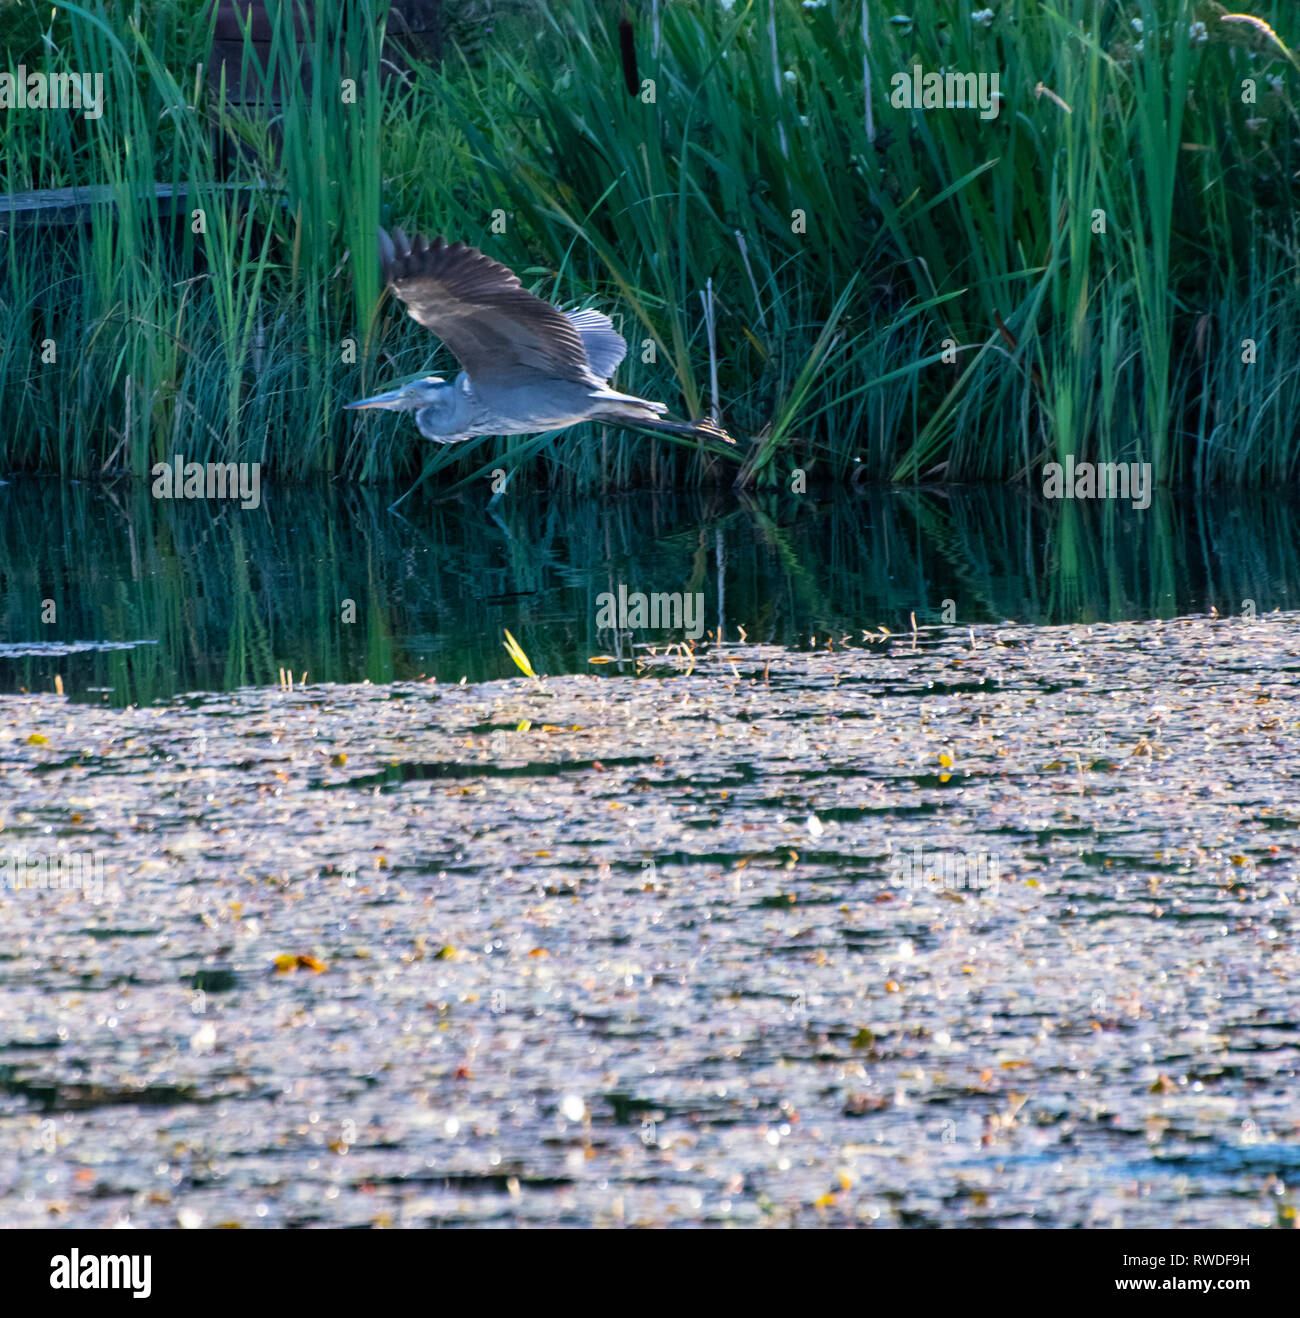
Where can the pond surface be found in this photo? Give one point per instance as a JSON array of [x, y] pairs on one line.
[[986, 923], [993, 925]]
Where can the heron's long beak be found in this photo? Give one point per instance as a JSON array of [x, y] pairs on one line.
[[391, 400]]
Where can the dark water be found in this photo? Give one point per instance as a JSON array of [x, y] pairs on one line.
[[128, 599]]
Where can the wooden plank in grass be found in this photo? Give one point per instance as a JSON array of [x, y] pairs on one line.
[[65, 206]]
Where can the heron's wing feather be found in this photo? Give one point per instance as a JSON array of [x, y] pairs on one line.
[[605, 346], [481, 311]]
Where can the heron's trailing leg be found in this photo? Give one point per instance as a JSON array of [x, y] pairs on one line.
[[703, 429]]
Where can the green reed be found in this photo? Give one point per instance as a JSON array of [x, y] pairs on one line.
[[909, 296]]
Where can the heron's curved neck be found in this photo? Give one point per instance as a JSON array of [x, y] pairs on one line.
[[447, 413]]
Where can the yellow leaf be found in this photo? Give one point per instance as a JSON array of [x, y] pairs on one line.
[[37, 740], [946, 761], [284, 965], [516, 652], [744, 329], [523, 725]]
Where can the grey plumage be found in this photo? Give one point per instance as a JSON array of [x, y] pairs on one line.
[[526, 365], [604, 345]]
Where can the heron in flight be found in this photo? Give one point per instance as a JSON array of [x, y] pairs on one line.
[[526, 366]]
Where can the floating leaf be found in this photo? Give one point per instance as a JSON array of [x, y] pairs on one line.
[[516, 652], [285, 965]]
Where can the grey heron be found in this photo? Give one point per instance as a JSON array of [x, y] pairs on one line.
[[526, 366]]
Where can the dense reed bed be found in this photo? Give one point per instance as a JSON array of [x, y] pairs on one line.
[[1106, 269]]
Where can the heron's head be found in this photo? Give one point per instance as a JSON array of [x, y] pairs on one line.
[[407, 397]]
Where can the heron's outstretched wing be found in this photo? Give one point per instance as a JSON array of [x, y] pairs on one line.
[[481, 311], [604, 345]]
